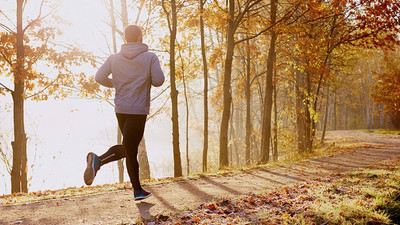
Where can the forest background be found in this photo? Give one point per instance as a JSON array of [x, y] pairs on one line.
[[248, 82]]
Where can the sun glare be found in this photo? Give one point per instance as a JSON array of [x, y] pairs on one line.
[[87, 23]]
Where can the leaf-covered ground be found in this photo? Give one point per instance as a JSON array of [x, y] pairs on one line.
[[363, 196], [304, 191]]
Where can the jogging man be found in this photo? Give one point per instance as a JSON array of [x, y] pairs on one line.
[[134, 70]]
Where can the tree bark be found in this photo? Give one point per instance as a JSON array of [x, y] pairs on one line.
[[144, 165], [248, 104], [326, 116], [266, 126], [237, 136], [205, 76], [119, 135], [307, 115], [232, 134], [275, 138], [334, 111], [19, 169], [187, 124], [174, 95], [300, 121], [124, 14], [227, 95]]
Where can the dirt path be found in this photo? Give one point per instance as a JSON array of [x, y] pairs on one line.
[[117, 207]]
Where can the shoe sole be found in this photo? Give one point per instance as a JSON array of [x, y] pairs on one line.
[[144, 197], [89, 175]]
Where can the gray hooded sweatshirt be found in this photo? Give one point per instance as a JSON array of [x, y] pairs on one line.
[[133, 70]]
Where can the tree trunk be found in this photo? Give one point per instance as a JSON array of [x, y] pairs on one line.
[[187, 124], [232, 134], [300, 121], [326, 116], [257, 147], [205, 76], [266, 126], [307, 114], [119, 135], [19, 169], [174, 94], [248, 104], [124, 14], [227, 95], [237, 136], [121, 161], [275, 139], [144, 165], [334, 111]]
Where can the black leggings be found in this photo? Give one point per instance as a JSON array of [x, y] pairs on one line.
[[132, 128]]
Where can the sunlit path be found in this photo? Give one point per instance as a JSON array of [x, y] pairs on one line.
[[117, 207]]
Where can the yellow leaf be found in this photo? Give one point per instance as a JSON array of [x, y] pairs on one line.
[[285, 216]]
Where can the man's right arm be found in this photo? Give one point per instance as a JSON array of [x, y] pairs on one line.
[[103, 73]]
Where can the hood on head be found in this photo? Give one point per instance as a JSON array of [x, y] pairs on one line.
[[131, 50]]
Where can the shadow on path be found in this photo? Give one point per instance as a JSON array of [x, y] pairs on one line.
[[144, 209], [221, 186]]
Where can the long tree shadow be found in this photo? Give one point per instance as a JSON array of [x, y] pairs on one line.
[[221, 186], [321, 160], [308, 171], [355, 160], [264, 178], [161, 199], [203, 196], [287, 176]]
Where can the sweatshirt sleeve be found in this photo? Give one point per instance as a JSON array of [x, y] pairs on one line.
[[157, 75], [102, 75]]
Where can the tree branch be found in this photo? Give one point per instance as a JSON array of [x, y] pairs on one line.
[[261, 32], [218, 6], [159, 110], [159, 94], [256, 76], [40, 17], [247, 7], [7, 60], [97, 96], [6, 28], [7, 89], [9, 20], [139, 12], [6, 161], [167, 14], [42, 48], [41, 91], [285, 17]]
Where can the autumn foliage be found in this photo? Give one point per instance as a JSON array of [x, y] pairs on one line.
[[267, 75], [387, 88]]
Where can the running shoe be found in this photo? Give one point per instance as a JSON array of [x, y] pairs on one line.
[[141, 194], [93, 165]]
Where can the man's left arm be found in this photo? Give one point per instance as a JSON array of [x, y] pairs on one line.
[[157, 75]]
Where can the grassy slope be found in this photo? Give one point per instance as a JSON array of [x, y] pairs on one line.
[[363, 196]]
